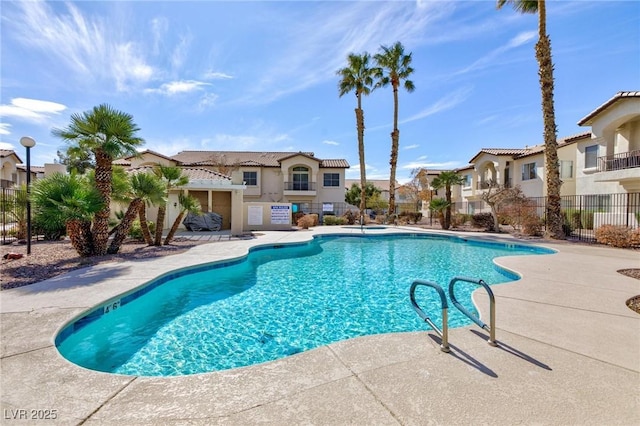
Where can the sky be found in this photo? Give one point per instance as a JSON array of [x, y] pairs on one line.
[[261, 75]]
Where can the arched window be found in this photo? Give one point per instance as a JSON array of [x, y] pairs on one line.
[[300, 178]]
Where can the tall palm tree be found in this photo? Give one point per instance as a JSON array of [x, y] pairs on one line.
[[71, 200], [545, 73], [446, 180], [394, 67], [358, 77], [143, 187], [171, 177], [187, 203], [108, 134]]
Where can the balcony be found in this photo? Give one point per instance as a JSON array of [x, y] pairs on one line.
[[622, 161], [490, 183], [300, 189]]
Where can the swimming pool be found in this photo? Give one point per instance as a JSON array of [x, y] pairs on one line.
[[277, 301]]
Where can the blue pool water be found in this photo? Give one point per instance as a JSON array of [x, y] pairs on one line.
[[279, 301]]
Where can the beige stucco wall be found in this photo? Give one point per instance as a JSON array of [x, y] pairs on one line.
[[266, 216]]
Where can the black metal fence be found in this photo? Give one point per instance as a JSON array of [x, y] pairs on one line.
[[582, 214], [13, 214]]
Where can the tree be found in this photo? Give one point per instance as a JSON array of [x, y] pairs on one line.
[[68, 199], [171, 177], [446, 180], [142, 188], [187, 203], [77, 160], [545, 73], [394, 67], [354, 195], [418, 188], [107, 134], [358, 77], [439, 206]]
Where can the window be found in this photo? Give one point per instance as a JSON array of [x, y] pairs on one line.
[[566, 169], [332, 179], [467, 181], [300, 178], [250, 178], [528, 171], [591, 156]]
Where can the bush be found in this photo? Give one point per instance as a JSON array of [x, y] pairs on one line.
[[136, 231], [618, 236], [49, 229], [410, 217], [330, 220], [483, 220], [459, 219], [307, 221], [532, 225], [351, 217]]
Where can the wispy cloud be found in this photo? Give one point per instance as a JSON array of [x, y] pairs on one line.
[[445, 103], [5, 129], [490, 58], [408, 147], [179, 87], [447, 165], [207, 100], [32, 110], [89, 47], [180, 52], [331, 143], [215, 75]]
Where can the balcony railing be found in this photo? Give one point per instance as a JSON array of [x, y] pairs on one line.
[[622, 161], [299, 186], [490, 183], [4, 183]]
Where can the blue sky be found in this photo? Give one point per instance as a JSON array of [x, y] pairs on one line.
[[261, 76]]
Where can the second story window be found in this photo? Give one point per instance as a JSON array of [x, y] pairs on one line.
[[529, 171], [331, 179], [591, 156], [300, 177], [466, 183], [250, 178], [566, 169]]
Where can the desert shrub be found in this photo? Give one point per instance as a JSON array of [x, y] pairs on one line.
[[297, 216], [483, 220], [330, 220], [351, 217], [49, 229], [410, 217], [307, 221], [578, 219], [459, 219], [315, 219], [618, 236], [531, 225]]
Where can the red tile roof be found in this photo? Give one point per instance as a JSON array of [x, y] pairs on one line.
[[620, 95]]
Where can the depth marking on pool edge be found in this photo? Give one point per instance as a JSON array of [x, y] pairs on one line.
[[111, 306]]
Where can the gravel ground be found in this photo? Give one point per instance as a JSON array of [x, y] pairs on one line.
[[51, 258]]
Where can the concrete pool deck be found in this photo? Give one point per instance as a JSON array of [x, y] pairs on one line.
[[569, 353]]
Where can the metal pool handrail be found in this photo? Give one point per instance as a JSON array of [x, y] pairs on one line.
[[492, 307], [444, 333]]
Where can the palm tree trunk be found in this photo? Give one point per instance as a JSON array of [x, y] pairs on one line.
[[79, 232], [363, 177], [174, 228], [543, 55], [144, 225], [159, 225], [100, 228], [125, 225], [447, 212], [395, 141]]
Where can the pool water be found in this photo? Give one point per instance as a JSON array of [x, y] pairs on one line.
[[284, 300]]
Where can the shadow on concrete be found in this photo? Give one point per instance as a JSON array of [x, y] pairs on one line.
[[458, 353], [513, 351]]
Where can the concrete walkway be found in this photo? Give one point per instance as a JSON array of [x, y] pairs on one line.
[[569, 353]]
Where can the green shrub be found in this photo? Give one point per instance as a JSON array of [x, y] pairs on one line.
[[49, 229], [330, 220], [136, 231]]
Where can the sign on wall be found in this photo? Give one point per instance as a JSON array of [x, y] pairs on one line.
[[280, 215], [254, 215], [327, 207]]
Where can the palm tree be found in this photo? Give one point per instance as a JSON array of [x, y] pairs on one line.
[[394, 68], [108, 134], [439, 206], [187, 203], [71, 200], [446, 180], [172, 177], [545, 72], [358, 77], [143, 187]]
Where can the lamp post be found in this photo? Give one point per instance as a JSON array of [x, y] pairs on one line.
[[28, 142]]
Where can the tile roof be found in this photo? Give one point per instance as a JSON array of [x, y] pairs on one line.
[[607, 104], [561, 142], [247, 158], [193, 173], [8, 153]]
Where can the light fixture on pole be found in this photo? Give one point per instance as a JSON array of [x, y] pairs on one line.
[[28, 142]]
